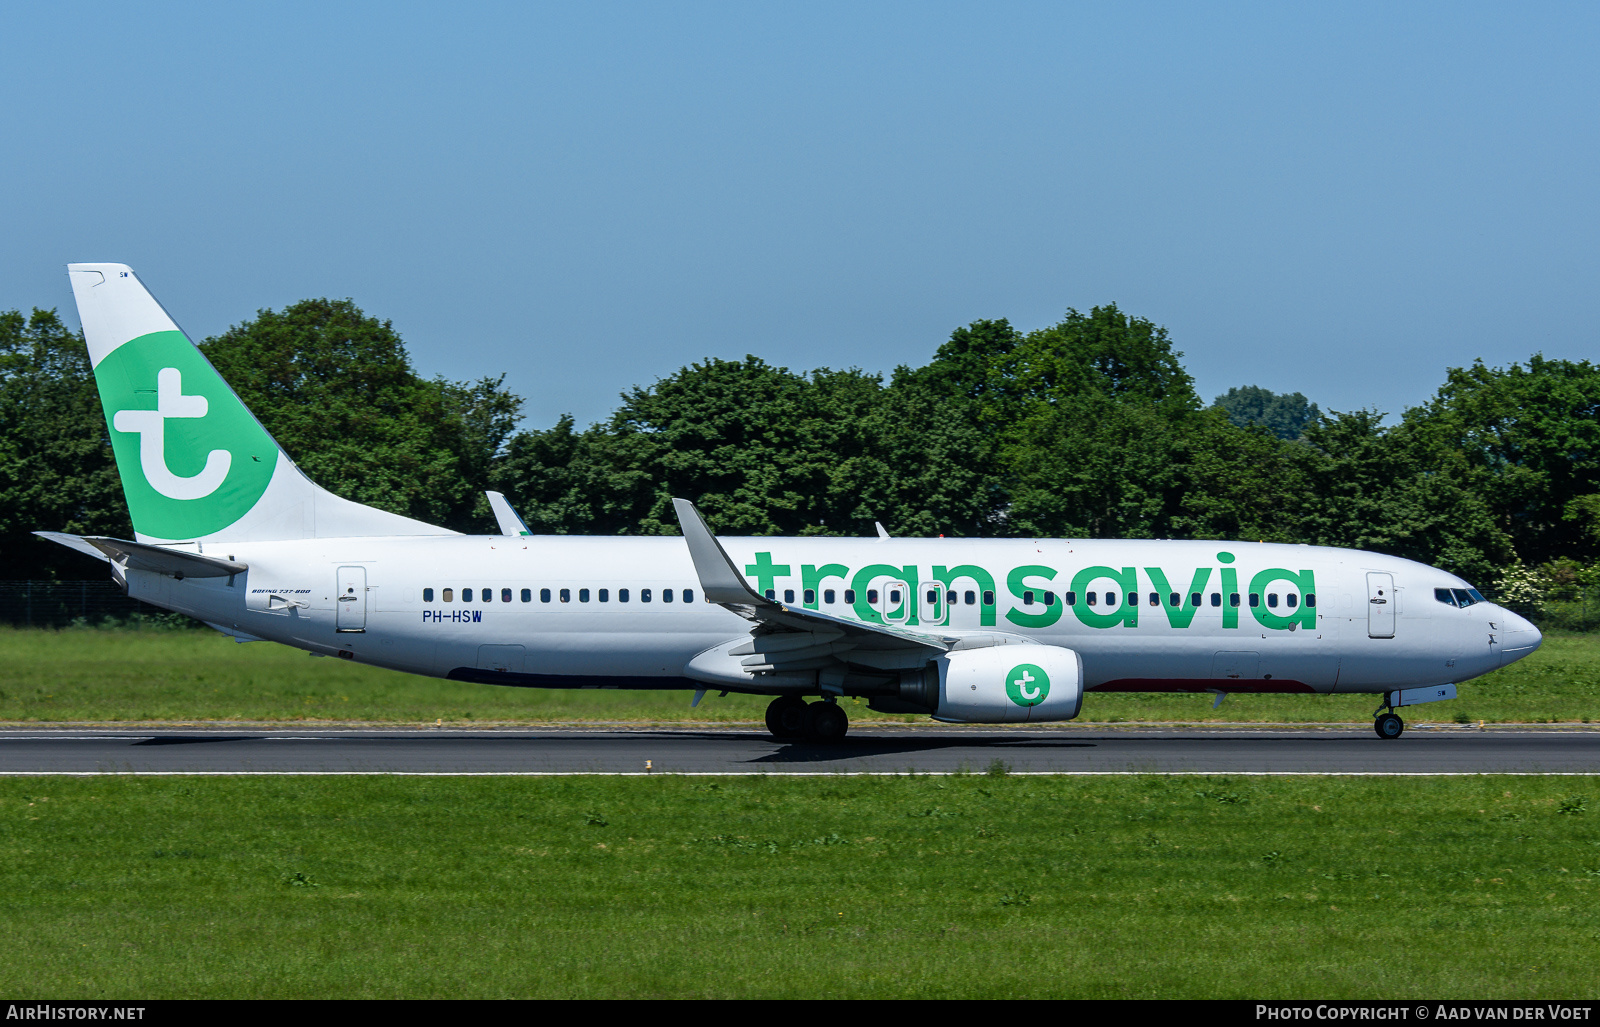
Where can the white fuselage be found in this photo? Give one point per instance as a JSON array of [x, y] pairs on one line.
[[383, 601]]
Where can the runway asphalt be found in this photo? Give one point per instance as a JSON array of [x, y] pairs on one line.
[[868, 749]]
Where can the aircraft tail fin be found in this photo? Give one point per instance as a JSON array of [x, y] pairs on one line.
[[195, 463]]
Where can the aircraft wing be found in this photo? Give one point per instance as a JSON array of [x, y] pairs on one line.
[[786, 637]]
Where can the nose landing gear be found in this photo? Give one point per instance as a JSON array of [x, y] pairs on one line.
[[791, 718]]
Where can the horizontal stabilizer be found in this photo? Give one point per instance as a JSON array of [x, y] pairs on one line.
[[77, 542], [143, 556]]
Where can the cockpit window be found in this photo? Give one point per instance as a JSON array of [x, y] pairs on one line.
[[1445, 596], [1476, 595], [1463, 597]]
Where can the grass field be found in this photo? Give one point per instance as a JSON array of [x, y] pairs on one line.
[[184, 675], [975, 886]]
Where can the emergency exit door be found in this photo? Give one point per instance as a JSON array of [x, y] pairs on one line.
[[351, 602], [1380, 605]]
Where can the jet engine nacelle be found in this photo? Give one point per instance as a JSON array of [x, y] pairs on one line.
[[1009, 684]]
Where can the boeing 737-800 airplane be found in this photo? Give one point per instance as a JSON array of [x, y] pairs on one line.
[[969, 631]]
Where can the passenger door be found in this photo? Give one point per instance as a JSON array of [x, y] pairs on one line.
[[351, 600], [1380, 605]]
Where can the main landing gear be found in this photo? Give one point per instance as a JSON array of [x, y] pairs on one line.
[[1387, 725], [791, 718]]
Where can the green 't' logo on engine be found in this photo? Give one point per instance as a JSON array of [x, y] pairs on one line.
[[1027, 684]]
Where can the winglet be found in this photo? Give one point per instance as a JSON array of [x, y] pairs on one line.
[[508, 519], [720, 580]]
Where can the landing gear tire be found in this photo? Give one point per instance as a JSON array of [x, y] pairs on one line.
[[786, 717], [1389, 725], [826, 722]]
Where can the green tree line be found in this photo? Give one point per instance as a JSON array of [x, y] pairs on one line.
[[1089, 428]]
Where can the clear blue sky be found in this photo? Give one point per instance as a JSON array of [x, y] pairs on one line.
[[1341, 199]]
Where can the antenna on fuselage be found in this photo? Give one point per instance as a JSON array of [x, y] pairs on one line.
[[882, 532]]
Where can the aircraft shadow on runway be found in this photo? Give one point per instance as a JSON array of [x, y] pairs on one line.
[[194, 739], [811, 752]]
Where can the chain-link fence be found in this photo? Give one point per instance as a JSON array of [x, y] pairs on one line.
[[59, 604]]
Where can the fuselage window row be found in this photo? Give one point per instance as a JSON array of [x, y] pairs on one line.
[[1461, 597], [585, 595]]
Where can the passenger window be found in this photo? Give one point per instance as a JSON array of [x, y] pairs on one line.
[[1216, 599], [788, 595], [1091, 597], [1049, 599], [1155, 599], [1027, 598], [1255, 599], [1311, 600], [605, 595], [872, 596], [1196, 598], [622, 595], [583, 595], [466, 595], [449, 594], [527, 595], [1174, 600], [644, 595], [850, 595], [827, 596], [1291, 600], [1070, 598], [427, 595], [688, 595], [972, 597], [1133, 599], [988, 597], [811, 597], [772, 595], [1272, 600], [933, 597], [666, 595], [1233, 599], [544, 595], [566, 595], [505, 595]]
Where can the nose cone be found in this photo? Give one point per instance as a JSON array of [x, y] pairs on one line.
[[1518, 639]]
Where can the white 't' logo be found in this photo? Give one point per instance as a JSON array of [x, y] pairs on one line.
[[1022, 684], [150, 425]]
